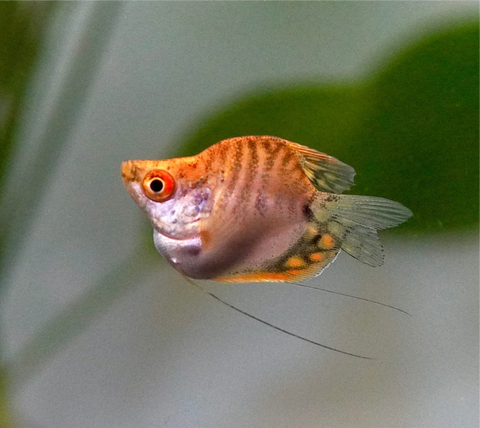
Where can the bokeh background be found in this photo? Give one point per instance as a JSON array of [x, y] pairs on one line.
[[97, 331]]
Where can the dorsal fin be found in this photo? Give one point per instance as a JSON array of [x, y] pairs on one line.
[[325, 172]]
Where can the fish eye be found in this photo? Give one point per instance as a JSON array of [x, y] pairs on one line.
[[158, 185]]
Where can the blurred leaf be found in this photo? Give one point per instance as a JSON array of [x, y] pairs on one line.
[[19, 30], [411, 132], [21, 27], [55, 115], [420, 144], [308, 114], [5, 412], [18, 202]]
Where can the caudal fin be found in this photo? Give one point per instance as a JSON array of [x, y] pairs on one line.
[[354, 220]]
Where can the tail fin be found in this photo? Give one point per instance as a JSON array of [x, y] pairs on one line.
[[354, 221]]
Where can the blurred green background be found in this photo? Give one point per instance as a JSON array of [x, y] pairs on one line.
[[74, 103], [410, 130]]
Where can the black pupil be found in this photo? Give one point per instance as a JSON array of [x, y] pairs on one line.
[[156, 185]]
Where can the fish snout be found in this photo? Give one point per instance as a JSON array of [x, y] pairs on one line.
[[129, 171]]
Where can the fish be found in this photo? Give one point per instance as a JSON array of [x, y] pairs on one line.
[[258, 209]]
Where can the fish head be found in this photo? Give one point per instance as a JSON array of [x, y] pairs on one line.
[[173, 194]]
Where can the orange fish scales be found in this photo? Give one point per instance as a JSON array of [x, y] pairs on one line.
[[271, 152], [250, 169], [257, 170], [232, 170], [234, 165], [216, 158]]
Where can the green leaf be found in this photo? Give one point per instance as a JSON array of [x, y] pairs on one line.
[[420, 144], [6, 420], [321, 116], [410, 131]]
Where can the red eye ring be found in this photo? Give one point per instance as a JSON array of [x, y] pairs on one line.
[[158, 185]]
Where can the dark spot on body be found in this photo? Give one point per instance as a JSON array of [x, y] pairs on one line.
[[266, 144], [261, 204], [287, 158], [193, 251], [198, 183], [307, 211]]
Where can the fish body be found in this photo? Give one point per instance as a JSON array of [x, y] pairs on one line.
[[257, 208]]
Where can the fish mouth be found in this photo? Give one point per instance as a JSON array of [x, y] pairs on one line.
[[174, 235]]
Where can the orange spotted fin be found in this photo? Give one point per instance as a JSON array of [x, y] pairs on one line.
[[316, 249], [353, 221], [339, 222]]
